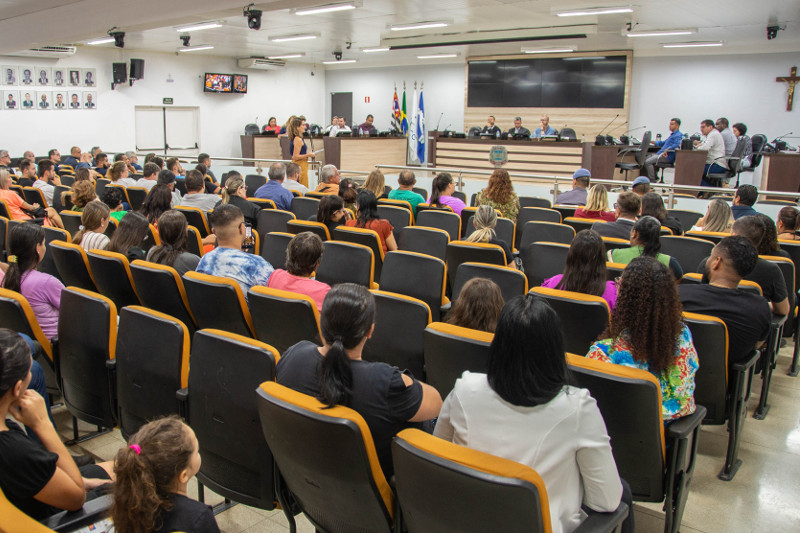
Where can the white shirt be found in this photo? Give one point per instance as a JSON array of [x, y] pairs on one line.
[[730, 140], [715, 146], [565, 441], [294, 185], [128, 182], [46, 189], [146, 183]]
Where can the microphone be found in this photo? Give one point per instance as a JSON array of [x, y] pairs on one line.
[[602, 140], [439, 122], [634, 129], [607, 125]]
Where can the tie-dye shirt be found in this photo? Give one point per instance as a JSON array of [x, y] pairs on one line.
[[677, 381], [248, 270]]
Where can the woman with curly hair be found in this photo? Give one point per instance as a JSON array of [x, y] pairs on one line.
[[81, 194], [646, 331], [500, 195]]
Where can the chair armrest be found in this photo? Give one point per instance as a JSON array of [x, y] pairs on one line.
[[681, 428], [777, 321], [744, 366], [182, 395], [446, 307], [598, 522], [92, 511], [111, 369]]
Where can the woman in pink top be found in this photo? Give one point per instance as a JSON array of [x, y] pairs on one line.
[[302, 258], [442, 193], [25, 251], [596, 207]]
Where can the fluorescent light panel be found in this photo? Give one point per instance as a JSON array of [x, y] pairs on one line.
[[418, 25], [370, 50], [104, 40], [660, 33], [195, 48], [547, 50], [696, 44], [198, 27], [594, 11], [328, 8], [298, 37], [288, 56], [339, 62], [437, 56]]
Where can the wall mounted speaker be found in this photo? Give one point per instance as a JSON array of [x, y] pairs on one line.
[[120, 73], [137, 69]]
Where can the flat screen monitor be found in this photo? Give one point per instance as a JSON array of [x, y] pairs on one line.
[[240, 83], [217, 83]]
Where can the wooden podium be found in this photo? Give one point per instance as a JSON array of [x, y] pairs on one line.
[[781, 172], [689, 166]]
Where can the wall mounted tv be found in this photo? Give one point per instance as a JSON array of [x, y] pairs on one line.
[[225, 83]]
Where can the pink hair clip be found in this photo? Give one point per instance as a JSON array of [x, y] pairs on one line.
[[136, 448]]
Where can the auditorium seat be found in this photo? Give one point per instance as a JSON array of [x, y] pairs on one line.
[[136, 197], [535, 231], [398, 217], [583, 317], [34, 196], [416, 275], [124, 190], [713, 236], [59, 205], [539, 214], [254, 181], [466, 220], [346, 262], [428, 207], [613, 243], [534, 201], [283, 318], [272, 220], [48, 264], [401, 204], [745, 285], [347, 494], [217, 302], [72, 221], [450, 222], [687, 218], [305, 207], [429, 241], [564, 210], [581, 223], [640, 153], [15, 521], [511, 281], [195, 217], [72, 265], [450, 350], [422, 192], [262, 203], [161, 288], [365, 236], [297, 226], [688, 251], [273, 248], [112, 275], [317, 195], [542, 260], [472, 252]]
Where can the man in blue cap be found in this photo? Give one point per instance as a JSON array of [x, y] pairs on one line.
[[580, 183], [641, 185]]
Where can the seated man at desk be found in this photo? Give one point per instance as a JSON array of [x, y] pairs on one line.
[[577, 196], [518, 129], [367, 128], [544, 128], [333, 127], [490, 128], [667, 147], [723, 126], [713, 143]]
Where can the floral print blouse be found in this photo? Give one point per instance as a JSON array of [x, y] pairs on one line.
[[509, 209]]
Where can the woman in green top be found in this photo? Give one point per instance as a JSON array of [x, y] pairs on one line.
[[646, 241], [500, 195], [113, 198]]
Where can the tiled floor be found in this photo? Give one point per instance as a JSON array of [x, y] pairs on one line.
[[763, 497]]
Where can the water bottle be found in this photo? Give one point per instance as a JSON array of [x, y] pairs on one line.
[[497, 134]]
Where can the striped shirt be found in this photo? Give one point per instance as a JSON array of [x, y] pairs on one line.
[[92, 240]]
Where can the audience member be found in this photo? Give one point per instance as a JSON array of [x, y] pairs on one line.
[[156, 203], [165, 177], [174, 165], [646, 241], [72, 158], [128, 238], [718, 218], [769, 244], [740, 132], [641, 185], [652, 337], [728, 137], [47, 180], [149, 176], [653, 206], [478, 305], [120, 174], [596, 207], [27, 171], [331, 212], [336, 374], [94, 221], [524, 409], [576, 196], [274, 190], [328, 180], [303, 255], [210, 185], [172, 251], [499, 194], [626, 210], [788, 223], [81, 193], [54, 157], [133, 160], [376, 184], [235, 193], [367, 217], [666, 149], [292, 175], [743, 200], [205, 160], [585, 270], [484, 222], [405, 190], [5, 161], [157, 160], [442, 190], [348, 190], [85, 162], [113, 197], [19, 209], [101, 163], [195, 195]]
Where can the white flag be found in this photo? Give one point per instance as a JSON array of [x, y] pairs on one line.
[[412, 130], [422, 134]]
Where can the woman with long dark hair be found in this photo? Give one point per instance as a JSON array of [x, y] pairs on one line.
[[524, 409], [646, 331], [336, 374], [788, 223], [129, 236], [331, 211], [585, 271], [367, 217], [172, 227], [442, 190], [769, 244], [646, 241], [499, 194], [653, 206], [157, 202]]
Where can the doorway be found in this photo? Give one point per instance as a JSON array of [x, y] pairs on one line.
[[169, 130]]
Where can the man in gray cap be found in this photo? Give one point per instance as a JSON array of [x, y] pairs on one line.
[[641, 185], [577, 196]]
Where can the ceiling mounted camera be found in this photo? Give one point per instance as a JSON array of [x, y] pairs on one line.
[[253, 17], [772, 31], [337, 55]]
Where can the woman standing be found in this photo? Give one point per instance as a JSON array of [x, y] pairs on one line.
[[500, 195], [300, 154]]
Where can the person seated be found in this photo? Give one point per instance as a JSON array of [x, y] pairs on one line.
[[376, 184], [274, 190], [235, 193], [718, 218], [788, 223], [172, 251], [348, 191], [626, 210], [769, 244], [367, 217], [119, 174], [112, 197], [19, 209], [129, 236], [653, 206], [27, 173], [746, 315], [442, 190], [478, 305], [544, 128], [174, 165], [723, 126], [196, 195], [646, 240], [484, 222], [585, 270], [499, 194], [167, 177], [205, 160], [652, 337], [331, 212], [641, 185], [133, 161], [328, 180], [405, 191], [303, 255], [666, 149], [333, 128], [292, 175], [149, 176], [577, 196], [388, 399], [272, 126], [714, 145], [524, 409], [156, 203], [94, 221], [491, 128], [518, 129], [596, 207], [101, 163], [743, 200], [228, 260], [209, 181], [367, 128], [47, 180], [740, 132], [151, 475], [81, 193]]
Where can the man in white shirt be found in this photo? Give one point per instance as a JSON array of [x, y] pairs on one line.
[[47, 179], [333, 128], [149, 176], [291, 183], [343, 125], [727, 135], [713, 143], [195, 193]]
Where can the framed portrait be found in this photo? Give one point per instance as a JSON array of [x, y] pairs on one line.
[[44, 76], [90, 100], [10, 75], [27, 100], [74, 77], [60, 100], [75, 100], [44, 100], [11, 100], [89, 77], [59, 77], [26, 75]]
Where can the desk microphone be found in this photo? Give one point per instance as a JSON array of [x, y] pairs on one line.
[[602, 140], [439, 122], [779, 144]]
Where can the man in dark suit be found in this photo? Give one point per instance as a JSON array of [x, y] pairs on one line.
[[518, 129], [627, 207]]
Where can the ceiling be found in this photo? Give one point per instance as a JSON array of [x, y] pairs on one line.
[[740, 24]]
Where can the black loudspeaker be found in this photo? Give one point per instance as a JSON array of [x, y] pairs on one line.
[[120, 73], [137, 69]]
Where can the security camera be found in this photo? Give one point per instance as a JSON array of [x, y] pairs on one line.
[[337, 55], [185, 39], [253, 17], [772, 31], [119, 38]]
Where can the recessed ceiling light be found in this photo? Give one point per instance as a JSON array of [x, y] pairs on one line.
[[340, 62], [198, 27], [547, 50], [288, 56], [195, 48], [695, 44], [370, 50], [104, 40], [594, 11], [296, 37], [328, 8], [659, 33], [437, 56], [419, 25]]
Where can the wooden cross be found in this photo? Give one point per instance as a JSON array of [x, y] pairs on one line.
[[792, 80]]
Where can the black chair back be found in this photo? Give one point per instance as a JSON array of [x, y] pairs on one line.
[[304, 207], [542, 260], [688, 251], [136, 196], [253, 182], [218, 303], [296, 226], [195, 217], [428, 241], [34, 196], [511, 281], [459, 252], [450, 350], [757, 143], [273, 248], [416, 275], [641, 153], [72, 221], [450, 222], [161, 288], [366, 237], [539, 214], [535, 231], [398, 217], [687, 218], [72, 265], [346, 262], [112, 275], [58, 205], [534, 201], [48, 264], [583, 317], [422, 192], [282, 318]]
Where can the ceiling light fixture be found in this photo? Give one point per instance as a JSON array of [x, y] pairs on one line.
[[419, 25], [297, 37], [659, 33], [195, 48], [594, 11], [198, 27], [339, 62], [370, 50], [695, 44], [288, 56], [104, 40], [547, 50], [437, 56], [328, 8]]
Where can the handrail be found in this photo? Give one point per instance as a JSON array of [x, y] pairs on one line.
[[183, 159]]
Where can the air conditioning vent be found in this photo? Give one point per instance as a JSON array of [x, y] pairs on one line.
[[52, 52], [261, 63]]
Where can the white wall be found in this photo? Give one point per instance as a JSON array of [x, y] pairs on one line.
[[222, 116]]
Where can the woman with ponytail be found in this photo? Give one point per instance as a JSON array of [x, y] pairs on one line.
[[94, 221], [484, 221], [788, 223], [335, 373], [442, 190], [152, 473], [646, 241], [172, 251], [235, 193]]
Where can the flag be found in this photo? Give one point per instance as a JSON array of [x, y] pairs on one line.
[[395, 112], [421, 133], [403, 114], [412, 130]]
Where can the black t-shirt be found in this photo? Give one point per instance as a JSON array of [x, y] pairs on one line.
[[249, 209], [25, 468], [674, 224], [506, 250], [379, 394], [747, 315], [186, 515], [768, 276]]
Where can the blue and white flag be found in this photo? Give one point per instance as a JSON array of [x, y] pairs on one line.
[[422, 135], [412, 129]]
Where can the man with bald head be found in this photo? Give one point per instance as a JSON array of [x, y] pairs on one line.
[[544, 128]]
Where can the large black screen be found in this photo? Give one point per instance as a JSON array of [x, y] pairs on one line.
[[548, 82]]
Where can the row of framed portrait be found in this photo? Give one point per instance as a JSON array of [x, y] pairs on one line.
[[28, 76], [44, 100]]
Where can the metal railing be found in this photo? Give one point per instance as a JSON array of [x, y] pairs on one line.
[[313, 164]]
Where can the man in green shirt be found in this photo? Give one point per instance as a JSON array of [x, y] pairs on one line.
[[405, 192]]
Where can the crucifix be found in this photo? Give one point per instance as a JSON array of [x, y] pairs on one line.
[[792, 80]]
